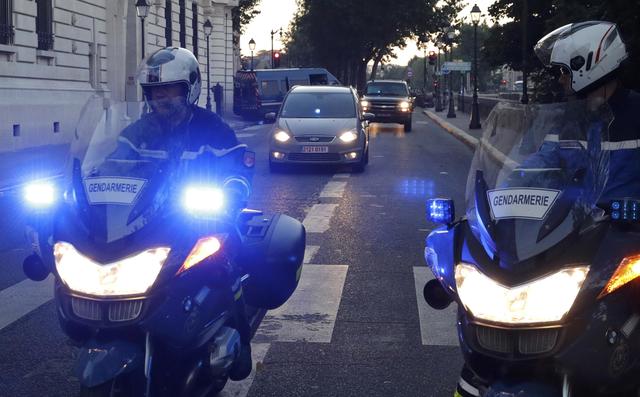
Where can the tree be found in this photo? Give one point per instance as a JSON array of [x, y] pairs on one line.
[[244, 13], [503, 45], [345, 35]]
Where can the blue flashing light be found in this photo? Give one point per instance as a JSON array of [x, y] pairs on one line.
[[615, 205], [317, 111], [615, 215], [440, 211]]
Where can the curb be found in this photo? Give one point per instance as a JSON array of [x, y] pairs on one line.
[[471, 141], [462, 136]]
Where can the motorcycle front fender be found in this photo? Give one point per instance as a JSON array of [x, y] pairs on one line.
[[98, 363]]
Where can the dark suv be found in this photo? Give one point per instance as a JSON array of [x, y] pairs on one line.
[[389, 100]]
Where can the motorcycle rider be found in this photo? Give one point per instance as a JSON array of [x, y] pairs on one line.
[[588, 58], [171, 84]]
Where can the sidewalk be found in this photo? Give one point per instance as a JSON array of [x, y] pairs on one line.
[[238, 122], [458, 126]]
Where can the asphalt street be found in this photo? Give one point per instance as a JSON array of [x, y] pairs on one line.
[[356, 326]]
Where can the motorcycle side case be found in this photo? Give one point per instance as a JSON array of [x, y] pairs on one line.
[[272, 254]]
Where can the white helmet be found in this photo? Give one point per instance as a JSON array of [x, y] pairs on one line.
[[169, 66], [591, 51]]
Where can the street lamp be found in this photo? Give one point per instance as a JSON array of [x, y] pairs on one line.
[[252, 46], [142, 9], [438, 104], [525, 18], [451, 34], [272, 33], [207, 32], [474, 124]]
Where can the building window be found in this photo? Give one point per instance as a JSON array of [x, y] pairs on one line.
[[44, 24], [6, 22], [168, 25], [194, 24], [183, 23]]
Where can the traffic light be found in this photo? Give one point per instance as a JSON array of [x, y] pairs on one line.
[[276, 60], [432, 58]]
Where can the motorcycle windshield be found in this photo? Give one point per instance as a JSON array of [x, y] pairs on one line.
[[536, 176], [127, 170]]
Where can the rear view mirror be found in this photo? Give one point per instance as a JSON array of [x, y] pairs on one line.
[[271, 116], [440, 211], [368, 116]]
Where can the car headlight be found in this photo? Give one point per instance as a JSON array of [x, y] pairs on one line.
[[204, 200], [404, 105], [542, 301], [364, 104], [40, 194], [281, 136], [129, 276], [349, 136]]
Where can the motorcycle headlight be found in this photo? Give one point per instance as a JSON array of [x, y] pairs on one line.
[[40, 194], [281, 136], [129, 276], [203, 200], [349, 136], [541, 301]]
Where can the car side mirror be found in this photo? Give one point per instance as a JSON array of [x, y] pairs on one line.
[[440, 210], [271, 116], [368, 116]]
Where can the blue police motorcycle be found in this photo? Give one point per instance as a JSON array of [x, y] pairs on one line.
[[158, 265], [544, 264]]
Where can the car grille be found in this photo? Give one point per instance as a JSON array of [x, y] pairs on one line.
[[314, 139], [314, 156], [117, 311], [382, 107], [528, 342]]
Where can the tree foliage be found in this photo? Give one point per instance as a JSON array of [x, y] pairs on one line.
[[504, 45], [244, 13], [345, 35]]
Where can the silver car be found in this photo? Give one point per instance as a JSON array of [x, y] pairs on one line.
[[320, 125]]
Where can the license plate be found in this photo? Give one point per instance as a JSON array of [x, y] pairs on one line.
[[315, 149]]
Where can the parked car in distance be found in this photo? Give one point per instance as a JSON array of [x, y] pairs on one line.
[[320, 125], [261, 91]]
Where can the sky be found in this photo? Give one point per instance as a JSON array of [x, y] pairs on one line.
[[276, 14]]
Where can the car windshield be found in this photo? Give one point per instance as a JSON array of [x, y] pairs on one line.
[[319, 105], [389, 89]]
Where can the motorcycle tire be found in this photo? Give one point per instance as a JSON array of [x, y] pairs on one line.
[[107, 389]]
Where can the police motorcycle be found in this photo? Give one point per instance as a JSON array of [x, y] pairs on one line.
[[155, 257], [543, 265]]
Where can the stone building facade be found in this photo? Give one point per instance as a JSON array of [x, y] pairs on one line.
[[55, 54]]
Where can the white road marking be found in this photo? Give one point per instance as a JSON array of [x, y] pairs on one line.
[[333, 189], [319, 218], [368, 195], [241, 135], [444, 173], [309, 252], [253, 127], [310, 314], [422, 122], [22, 298], [342, 175], [437, 327], [241, 388]]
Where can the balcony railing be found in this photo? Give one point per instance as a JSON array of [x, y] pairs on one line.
[[45, 41], [6, 34]]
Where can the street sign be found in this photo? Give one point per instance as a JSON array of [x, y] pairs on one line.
[[457, 66]]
